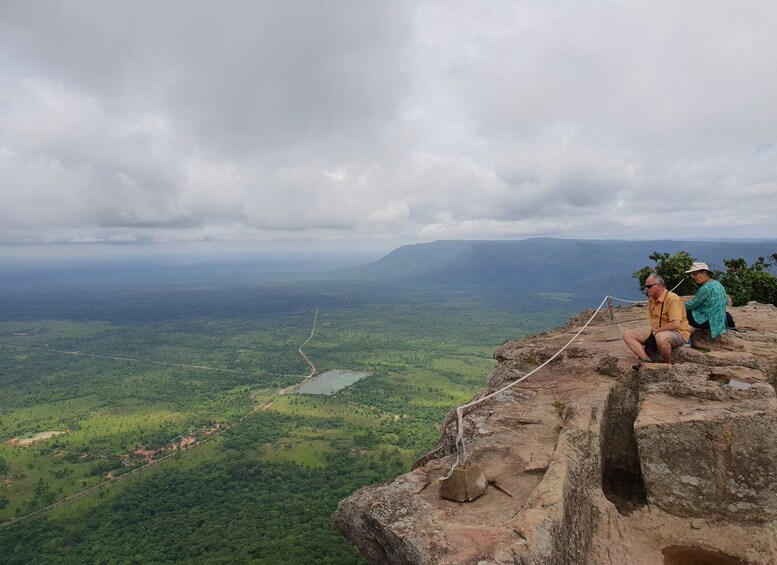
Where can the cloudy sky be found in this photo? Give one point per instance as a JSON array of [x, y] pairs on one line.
[[354, 121]]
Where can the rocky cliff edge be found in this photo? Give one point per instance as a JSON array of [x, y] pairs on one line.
[[592, 461]]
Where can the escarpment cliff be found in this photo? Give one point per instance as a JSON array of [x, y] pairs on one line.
[[593, 461]]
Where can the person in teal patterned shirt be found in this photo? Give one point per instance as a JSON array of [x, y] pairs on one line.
[[707, 309]]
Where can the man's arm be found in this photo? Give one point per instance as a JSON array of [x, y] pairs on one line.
[[670, 326]]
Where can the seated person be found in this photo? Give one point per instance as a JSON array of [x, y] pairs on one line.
[[668, 323], [707, 309]]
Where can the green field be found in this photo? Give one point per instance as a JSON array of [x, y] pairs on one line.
[[128, 398]]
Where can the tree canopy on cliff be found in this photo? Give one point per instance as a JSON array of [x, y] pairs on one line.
[[742, 282]]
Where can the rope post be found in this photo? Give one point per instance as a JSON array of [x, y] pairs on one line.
[[613, 330]]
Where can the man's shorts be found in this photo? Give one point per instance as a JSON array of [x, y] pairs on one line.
[[675, 339]]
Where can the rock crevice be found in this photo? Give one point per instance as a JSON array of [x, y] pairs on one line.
[[590, 461]]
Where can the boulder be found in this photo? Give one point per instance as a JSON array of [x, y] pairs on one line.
[[465, 483], [702, 457]]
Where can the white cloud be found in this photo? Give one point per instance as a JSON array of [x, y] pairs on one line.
[[137, 121]]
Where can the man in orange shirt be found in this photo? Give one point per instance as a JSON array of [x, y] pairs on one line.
[[668, 322]]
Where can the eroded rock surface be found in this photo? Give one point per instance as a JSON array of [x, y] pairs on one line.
[[590, 461]]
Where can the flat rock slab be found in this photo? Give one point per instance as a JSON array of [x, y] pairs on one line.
[[513, 446], [703, 457]]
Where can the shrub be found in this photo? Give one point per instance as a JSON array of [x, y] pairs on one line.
[[672, 269], [744, 283]]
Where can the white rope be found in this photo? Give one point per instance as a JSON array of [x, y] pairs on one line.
[[460, 449], [629, 301], [678, 284], [644, 301]]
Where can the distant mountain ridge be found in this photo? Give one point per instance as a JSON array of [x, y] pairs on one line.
[[543, 265], [535, 278]]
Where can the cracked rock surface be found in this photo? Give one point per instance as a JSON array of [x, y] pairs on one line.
[[592, 462]]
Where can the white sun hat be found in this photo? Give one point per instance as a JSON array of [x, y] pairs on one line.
[[698, 267]]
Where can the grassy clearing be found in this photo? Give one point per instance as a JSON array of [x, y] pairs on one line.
[[42, 329], [305, 453], [65, 464], [328, 408]]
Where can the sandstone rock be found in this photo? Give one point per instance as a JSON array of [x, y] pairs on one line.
[[728, 341], [506, 372], [609, 365], [709, 458], [593, 463]]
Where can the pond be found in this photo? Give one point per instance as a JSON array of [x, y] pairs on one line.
[[330, 382]]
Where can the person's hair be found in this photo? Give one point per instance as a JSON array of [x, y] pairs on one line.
[[659, 280]]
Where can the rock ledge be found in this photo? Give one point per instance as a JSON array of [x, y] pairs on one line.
[[592, 462]]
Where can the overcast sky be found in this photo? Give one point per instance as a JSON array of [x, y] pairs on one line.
[[356, 121]]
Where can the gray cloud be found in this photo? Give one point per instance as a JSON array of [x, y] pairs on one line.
[[174, 121]]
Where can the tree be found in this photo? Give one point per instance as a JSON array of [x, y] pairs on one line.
[[744, 283], [672, 269]]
